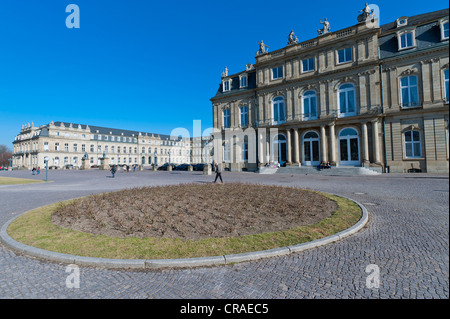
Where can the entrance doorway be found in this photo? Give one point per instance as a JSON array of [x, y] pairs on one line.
[[311, 149], [349, 147]]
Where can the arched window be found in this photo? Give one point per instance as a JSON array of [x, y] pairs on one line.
[[309, 105], [349, 147], [347, 100], [278, 110]]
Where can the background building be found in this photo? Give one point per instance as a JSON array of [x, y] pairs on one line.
[[362, 96], [65, 144]]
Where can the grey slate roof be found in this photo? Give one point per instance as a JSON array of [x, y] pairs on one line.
[[112, 131]]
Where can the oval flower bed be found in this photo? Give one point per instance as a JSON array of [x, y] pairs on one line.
[[184, 221]]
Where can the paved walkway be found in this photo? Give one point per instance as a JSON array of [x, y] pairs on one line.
[[407, 238]]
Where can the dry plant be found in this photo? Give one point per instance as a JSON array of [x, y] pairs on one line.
[[194, 211]]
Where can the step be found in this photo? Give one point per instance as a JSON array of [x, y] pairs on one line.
[[342, 170]]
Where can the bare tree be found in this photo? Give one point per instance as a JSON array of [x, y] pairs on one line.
[[5, 155]]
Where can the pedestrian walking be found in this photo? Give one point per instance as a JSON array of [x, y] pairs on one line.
[[33, 171], [218, 169], [113, 171], [38, 171]]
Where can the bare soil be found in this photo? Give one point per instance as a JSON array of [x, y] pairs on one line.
[[195, 211]]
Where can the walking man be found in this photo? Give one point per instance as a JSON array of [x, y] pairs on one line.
[[218, 169], [113, 170]]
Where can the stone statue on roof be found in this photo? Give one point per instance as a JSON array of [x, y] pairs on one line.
[[292, 38], [326, 27], [262, 48], [366, 13], [225, 72]]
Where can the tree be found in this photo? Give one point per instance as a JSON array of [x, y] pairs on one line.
[[5, 155]]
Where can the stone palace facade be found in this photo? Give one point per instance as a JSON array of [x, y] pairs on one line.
[[367, 95], [65, 144]]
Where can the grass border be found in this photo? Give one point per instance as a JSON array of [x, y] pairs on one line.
[[17, 181], [36, 229]]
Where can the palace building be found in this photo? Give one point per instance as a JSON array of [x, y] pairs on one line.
[[64, 145], [367, 95]]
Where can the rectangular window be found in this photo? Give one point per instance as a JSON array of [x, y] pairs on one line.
[[308, 65], [57, 147], [410, 91], [75, 147], [226, 152], [226, 86], [244, 116], [345, 55], [277, 73], [243, 81], [412, 144], [407, 40], [226, 118], [92, 149], [444, 31], [66, 147], [83, 147], [45, 146], [446, 85], [244, 152]]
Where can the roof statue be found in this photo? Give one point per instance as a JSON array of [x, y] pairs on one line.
[[367, 13], [225, 72], [326, 27], [262, 48], [292, 38]]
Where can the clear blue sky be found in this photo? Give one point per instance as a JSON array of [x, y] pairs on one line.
[[146, 65]]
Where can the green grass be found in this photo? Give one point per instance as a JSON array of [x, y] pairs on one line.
[[16, 181], [36, 229]]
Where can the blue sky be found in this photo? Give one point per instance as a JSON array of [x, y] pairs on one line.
[[145, 65]]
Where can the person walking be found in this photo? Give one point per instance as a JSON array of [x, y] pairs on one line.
[[218, 169], [113, 171]]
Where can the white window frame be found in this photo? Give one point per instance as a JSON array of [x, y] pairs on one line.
[[276, 73], [244, 152], [308, 63], [409, 87], [346, 91], [243, 78], [243, 110], [226, 85], [404, 33], [346, 58], [226, 116], [446, 85], [412, 143], [442, 24], [227, 152], [278, 104], [310, 98]]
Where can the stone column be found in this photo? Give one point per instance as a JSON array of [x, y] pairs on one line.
[[323, 144], [288, 146], [296, 147], [376, 142], [332, 144], [365, 143]]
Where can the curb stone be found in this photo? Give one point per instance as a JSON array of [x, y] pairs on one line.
[[177, 263]]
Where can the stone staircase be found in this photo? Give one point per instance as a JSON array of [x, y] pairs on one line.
[[308, 170]]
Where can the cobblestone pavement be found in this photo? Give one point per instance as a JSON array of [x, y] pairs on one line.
[[407, 238]]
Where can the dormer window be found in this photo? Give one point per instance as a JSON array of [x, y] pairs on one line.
[[406, 39], [226, 85], [243, 80], [443, 26]]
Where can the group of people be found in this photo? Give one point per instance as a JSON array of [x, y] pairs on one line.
[[323, 165], [274, 165], [36, 171]]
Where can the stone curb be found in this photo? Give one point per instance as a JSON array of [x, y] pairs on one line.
[[176, 263]]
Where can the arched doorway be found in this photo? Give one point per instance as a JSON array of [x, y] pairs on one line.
[[311, 149], [279, 148], [349, 147]]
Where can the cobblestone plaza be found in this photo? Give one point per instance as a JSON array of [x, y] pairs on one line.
[[406, 238]]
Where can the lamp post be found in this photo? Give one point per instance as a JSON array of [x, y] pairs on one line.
[[46, 170]]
